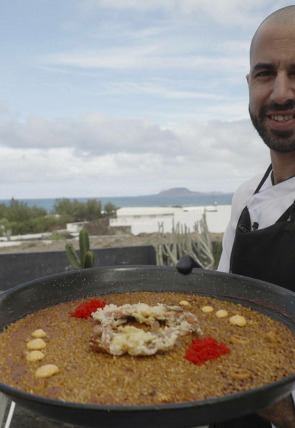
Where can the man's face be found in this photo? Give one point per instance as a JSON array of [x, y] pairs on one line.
[[272, 86]]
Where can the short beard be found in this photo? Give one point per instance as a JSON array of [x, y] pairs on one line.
[[279, 141]]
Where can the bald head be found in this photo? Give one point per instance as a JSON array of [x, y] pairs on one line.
[[271, 82], [281, 18]]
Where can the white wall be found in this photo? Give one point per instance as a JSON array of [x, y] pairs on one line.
[[148, 222]]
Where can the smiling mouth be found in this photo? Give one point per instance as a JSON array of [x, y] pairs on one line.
[[282, 118]]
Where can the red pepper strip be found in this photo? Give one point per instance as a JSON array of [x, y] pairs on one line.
[[85, 309], [205, 349]]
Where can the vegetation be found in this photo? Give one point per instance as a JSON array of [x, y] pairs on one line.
[[83, 211], [198, 244], [17, 218], [85, 259]]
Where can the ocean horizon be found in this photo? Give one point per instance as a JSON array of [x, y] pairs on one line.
[[192, 200]]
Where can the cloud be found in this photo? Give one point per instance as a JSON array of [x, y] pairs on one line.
[[226, 13], [162, 56], [96, 134], [93, 133], [144, 57], [4, 111], [132, 157], [98, 66], [163, 91], [129, 58]]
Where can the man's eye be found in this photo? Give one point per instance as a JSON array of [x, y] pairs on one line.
[[266, 73]]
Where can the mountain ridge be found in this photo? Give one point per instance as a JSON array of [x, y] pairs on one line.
[[183, 191]]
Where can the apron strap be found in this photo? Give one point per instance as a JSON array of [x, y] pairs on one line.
[[263, 179], [290, 212]]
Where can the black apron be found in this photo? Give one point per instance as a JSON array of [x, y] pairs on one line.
[[267, 254]]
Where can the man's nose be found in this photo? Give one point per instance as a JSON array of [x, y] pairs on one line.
[[283, 89]]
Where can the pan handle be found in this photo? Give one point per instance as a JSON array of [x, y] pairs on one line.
[[186, 264]]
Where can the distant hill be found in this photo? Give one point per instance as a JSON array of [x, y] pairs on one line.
[[183, 191]]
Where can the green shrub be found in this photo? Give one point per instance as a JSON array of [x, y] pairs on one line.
[[109, 209], [78, 211], [21, 219]]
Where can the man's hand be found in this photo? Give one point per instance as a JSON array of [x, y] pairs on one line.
[[281, 414], [186, 264]]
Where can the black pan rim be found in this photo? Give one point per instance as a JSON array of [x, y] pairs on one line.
[[19, 395], [6, 389]]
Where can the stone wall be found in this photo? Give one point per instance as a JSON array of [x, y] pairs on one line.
[[19, 268]]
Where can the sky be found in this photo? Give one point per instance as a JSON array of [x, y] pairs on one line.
[[126, 97]]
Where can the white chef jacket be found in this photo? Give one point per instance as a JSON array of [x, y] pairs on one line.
[[265, 208]]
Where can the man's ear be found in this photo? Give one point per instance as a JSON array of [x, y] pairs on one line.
[[247, 78]]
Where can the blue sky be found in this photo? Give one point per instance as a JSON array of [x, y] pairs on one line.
[[124, 97]]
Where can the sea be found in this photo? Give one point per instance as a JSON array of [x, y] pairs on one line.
[[206, 199]]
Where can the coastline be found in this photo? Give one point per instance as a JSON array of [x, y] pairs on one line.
[[159, 200]]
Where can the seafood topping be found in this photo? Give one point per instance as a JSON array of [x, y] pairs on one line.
[[167, 323]]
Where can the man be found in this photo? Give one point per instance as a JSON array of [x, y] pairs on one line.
[[260, 239]]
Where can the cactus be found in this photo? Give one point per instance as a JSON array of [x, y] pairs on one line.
[[86, 259], [183, 242], [72, 256]]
